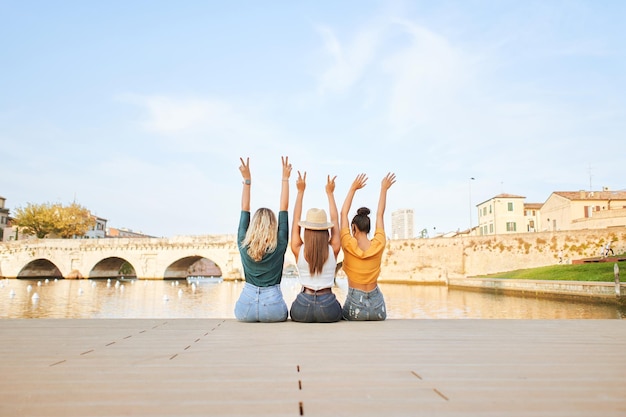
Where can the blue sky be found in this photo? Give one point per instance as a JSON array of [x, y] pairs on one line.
[[140, 110]]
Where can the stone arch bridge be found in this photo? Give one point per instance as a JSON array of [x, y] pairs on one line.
[[150, 258]]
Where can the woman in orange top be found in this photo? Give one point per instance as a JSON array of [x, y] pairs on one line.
[[362, 257]]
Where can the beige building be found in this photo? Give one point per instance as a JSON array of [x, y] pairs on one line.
[[98, 230], [532, 215], [123, 232], [4, 217], [576, 210], [501, 214], [563, 210]]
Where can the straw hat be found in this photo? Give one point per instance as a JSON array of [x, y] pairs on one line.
[[316, 220]]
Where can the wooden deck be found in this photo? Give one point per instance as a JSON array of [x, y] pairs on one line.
[[597, 259], [206, 367]]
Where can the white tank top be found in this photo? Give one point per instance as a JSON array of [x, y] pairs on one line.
[[325, 280]]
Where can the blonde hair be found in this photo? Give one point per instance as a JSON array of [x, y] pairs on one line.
[[262, 234], [316, 249]]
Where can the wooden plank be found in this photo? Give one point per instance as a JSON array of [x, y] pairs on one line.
[[188, 367]]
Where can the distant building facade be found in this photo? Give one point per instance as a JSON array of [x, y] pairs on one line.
[[563, 210], [575, 210], [501, 214], [532, 216], [113, 232], [4, 217], [98, 230], [402, 224]]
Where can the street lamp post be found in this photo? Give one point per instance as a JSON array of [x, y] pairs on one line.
[[470, 204]]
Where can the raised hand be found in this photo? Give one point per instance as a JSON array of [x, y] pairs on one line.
[[359, 182], [301, 182], [330, 185], [388, 181], [244, 168], [286, 167]]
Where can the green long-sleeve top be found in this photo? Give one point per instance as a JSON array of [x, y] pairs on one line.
[[269, 270]]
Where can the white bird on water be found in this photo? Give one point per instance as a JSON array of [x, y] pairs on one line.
[[80, 291], [166, 298], [180, 293], [12, 293], [29, 288], [35, 297]]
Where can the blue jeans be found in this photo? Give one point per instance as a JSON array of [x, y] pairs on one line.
[[364, 306], [264, 304], [313, 308]]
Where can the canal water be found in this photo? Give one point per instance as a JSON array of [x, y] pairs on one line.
[[180, 299]]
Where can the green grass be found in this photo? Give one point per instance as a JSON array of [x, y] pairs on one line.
[[597, 271]]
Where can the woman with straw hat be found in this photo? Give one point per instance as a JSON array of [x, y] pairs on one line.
[[262, 245], [362, 257], [316, 258]]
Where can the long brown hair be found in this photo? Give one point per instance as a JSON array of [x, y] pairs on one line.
[[316, 249], [262, 234]]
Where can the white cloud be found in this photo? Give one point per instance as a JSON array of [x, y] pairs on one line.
[[348, 61], [426, 77]]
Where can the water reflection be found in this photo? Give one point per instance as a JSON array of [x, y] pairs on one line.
[[179, 299]]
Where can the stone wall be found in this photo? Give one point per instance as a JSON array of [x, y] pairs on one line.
[[440, 259]]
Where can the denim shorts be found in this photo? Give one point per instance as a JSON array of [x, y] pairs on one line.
[[261, 304], [364, 306], [313, 308]]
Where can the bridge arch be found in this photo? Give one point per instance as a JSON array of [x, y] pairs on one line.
[[194, 265], [113, 267], [149, 258], [40, 268]]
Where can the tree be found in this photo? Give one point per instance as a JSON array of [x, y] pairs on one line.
[[35, 219], [74, 220], [45, 220]]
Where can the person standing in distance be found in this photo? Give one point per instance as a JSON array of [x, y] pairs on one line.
[[262, 243], [316, 258], [362, 257]]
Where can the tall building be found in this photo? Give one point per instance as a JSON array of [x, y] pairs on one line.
[[4, 217], [402, 224]]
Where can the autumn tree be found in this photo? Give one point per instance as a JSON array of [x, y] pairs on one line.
[[45, 220], [74, 220]]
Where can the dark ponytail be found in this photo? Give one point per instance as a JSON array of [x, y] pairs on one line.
[[362, 220]]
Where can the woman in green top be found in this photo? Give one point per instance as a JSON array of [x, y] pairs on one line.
[[262, 244]]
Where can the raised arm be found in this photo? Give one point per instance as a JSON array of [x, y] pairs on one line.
[[335, 237], [296, 238], [244, 168], [386, 183], [284, 191], [357, 184]]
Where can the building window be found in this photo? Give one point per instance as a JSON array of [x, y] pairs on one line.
[[491, 228], [510, 226], [510, 206], [489, 208]]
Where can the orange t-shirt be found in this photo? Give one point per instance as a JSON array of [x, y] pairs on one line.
[[362, 267]]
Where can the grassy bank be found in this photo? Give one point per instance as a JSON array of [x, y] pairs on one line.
[[598, 272]]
